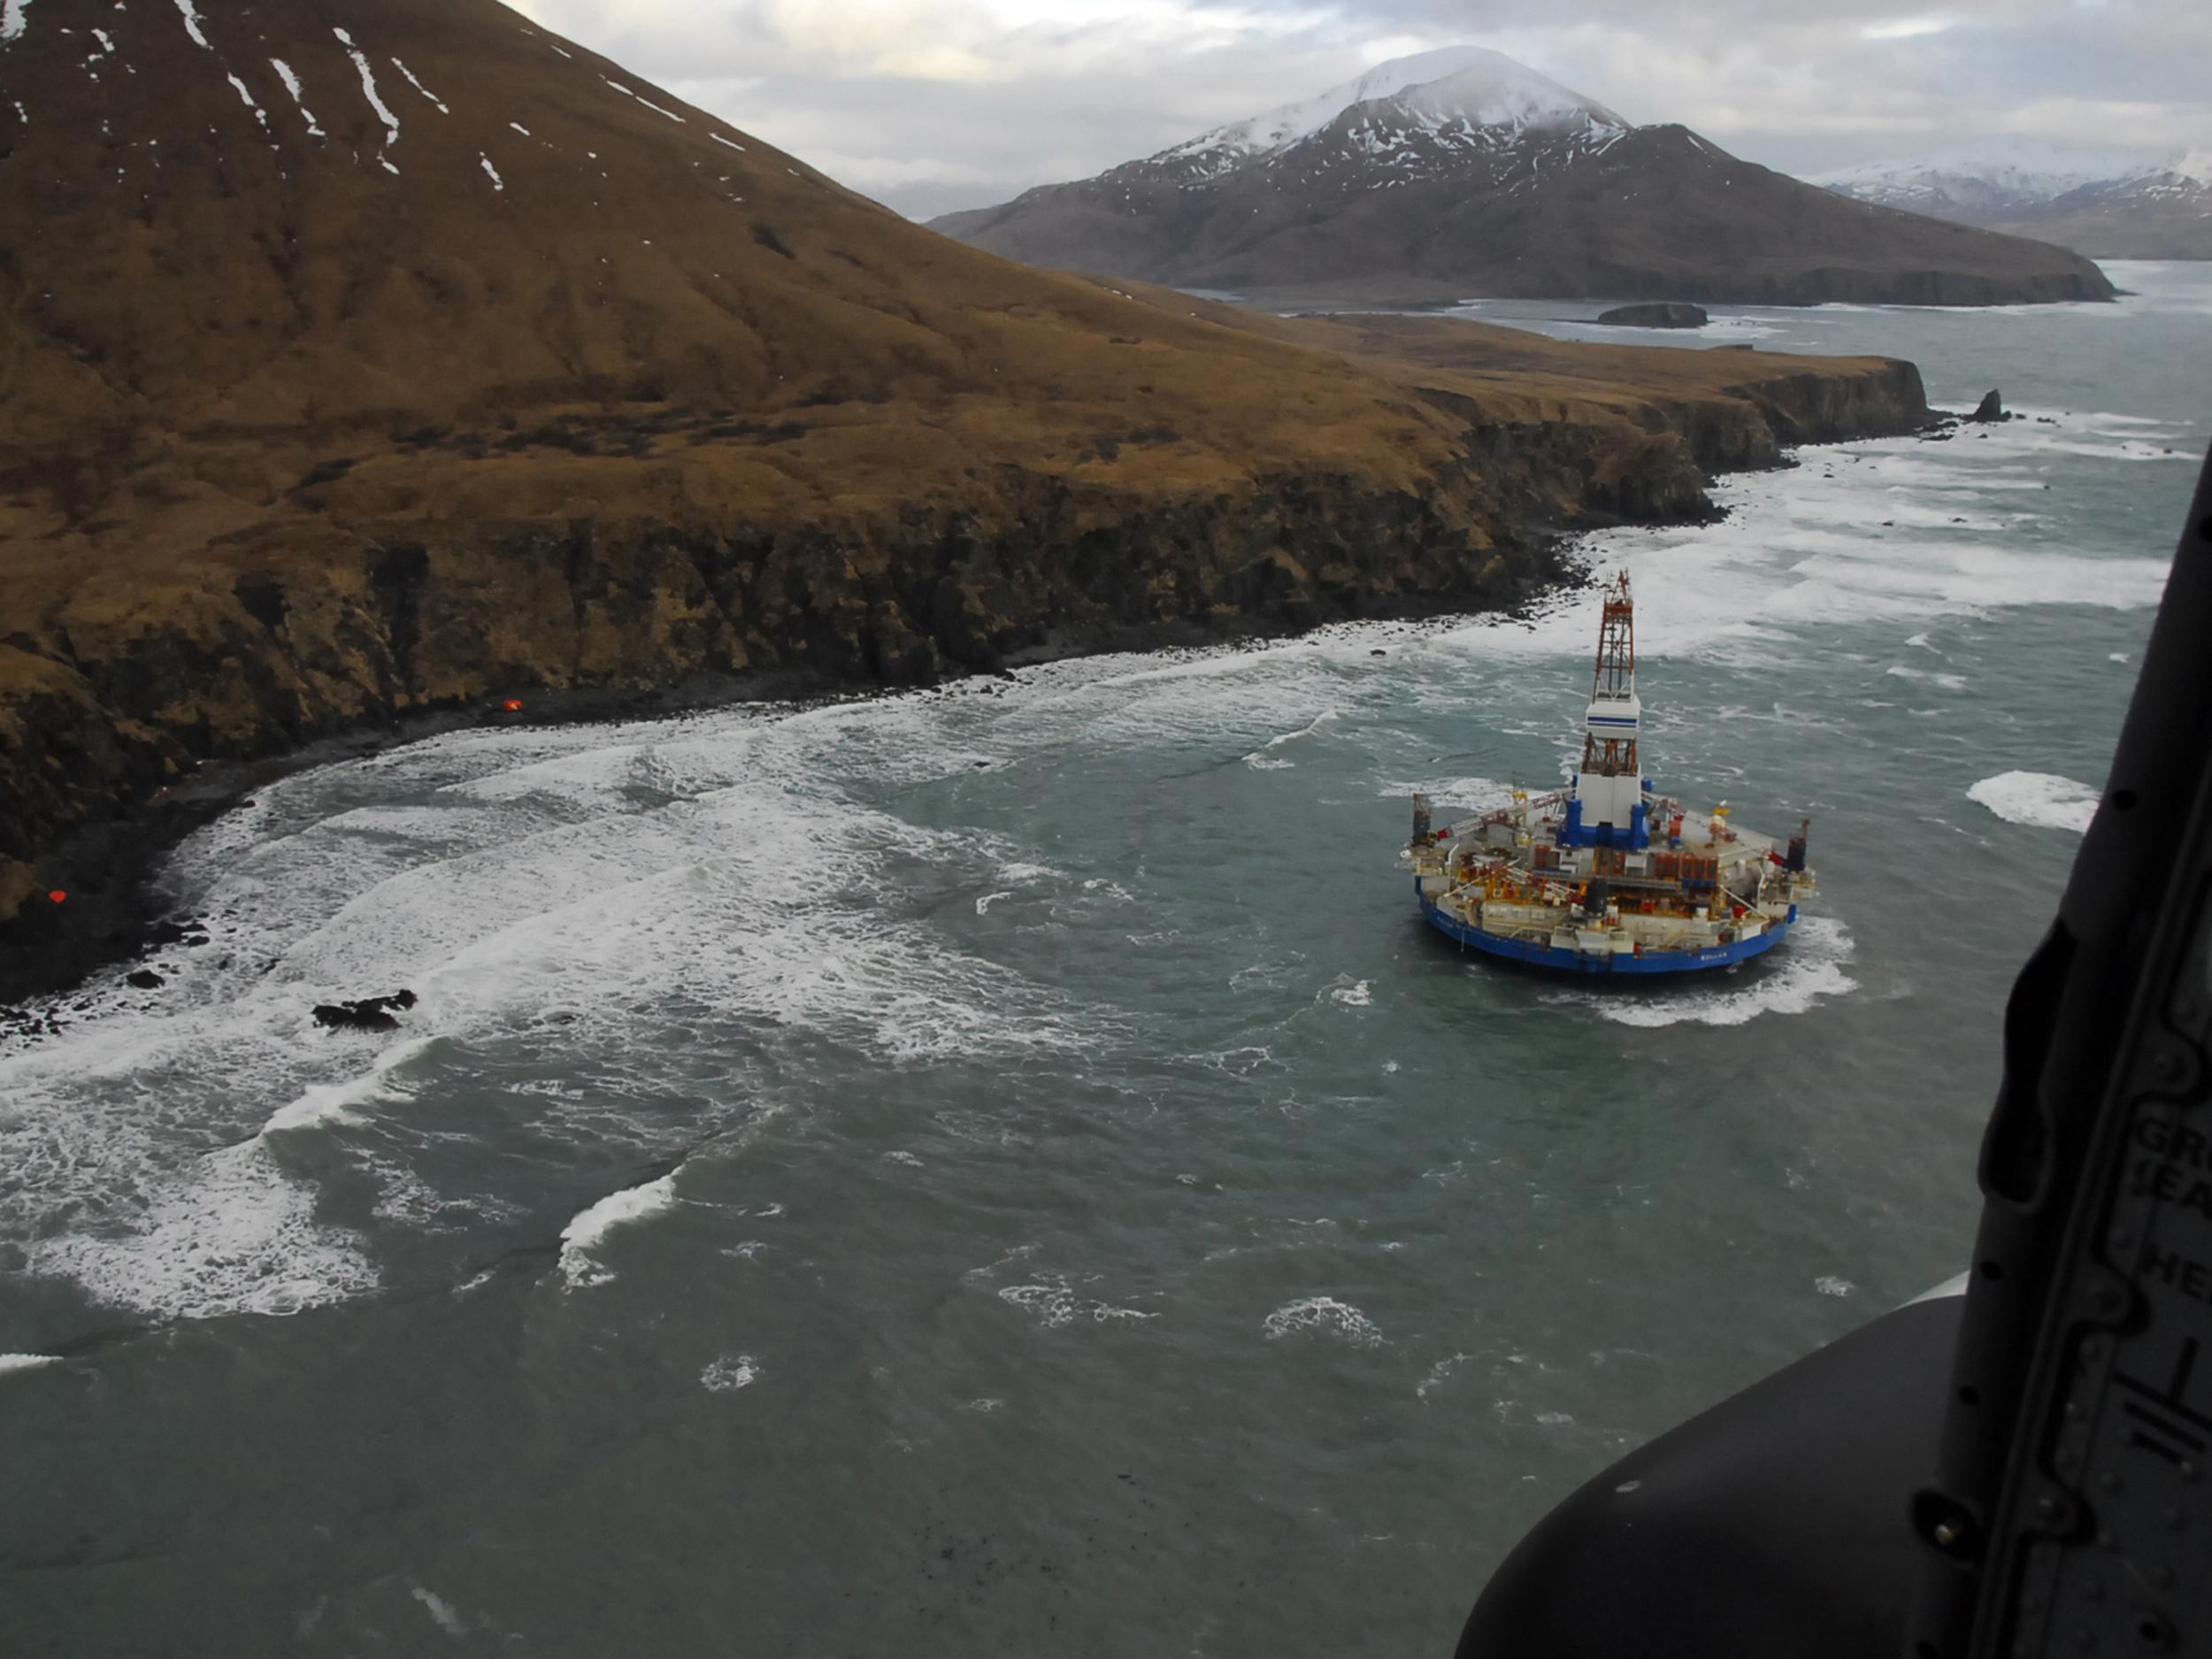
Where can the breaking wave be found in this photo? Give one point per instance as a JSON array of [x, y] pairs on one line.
[[1264, 759], [2042, 799], [581, 1266], [1792, 978]]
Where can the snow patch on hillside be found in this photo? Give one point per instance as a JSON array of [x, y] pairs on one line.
[[648, 102], [245, 97], [368, 86], [292, 85], [191, 15], [418, 87]]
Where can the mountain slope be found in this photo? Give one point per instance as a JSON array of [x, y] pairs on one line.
[[2117, 204], [369, 358], [1491, 180], [411, 206]]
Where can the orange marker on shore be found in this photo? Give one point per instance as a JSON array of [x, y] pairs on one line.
[[513, 705], [59, 896]]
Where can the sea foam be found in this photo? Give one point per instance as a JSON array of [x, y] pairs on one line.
[[2042, 799], [561, 888], [730, 1373], [1326, 1315], [234, 1234], [1054, 1302]]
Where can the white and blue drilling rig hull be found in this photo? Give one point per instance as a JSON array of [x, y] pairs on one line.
[[1605, 963]]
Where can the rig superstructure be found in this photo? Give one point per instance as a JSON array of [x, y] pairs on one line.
[[1607, 876]]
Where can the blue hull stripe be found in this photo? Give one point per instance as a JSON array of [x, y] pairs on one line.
[[1575, 961]]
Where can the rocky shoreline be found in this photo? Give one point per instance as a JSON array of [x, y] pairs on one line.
[[397, 631], [113, 913], [126, 917]]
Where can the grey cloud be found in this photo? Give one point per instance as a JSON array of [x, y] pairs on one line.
[[1793, 83]]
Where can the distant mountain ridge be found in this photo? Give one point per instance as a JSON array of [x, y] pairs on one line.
[[1461, 172], [1998, 174], [2120, 203]]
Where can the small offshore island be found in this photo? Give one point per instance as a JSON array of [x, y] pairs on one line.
[[646, 404], [1656, 314]]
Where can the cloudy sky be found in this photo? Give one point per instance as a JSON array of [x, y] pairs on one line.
[[935, 104]]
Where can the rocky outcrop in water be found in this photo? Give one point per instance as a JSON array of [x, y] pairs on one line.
[[1656, 314], [371, 1013]]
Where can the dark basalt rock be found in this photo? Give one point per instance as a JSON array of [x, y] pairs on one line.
[[1991, 407], [371, 1013], [346, 1017], [146, 979], [1658, 314]]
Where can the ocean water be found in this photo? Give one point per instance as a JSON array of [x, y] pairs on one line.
[[1004, 1170]]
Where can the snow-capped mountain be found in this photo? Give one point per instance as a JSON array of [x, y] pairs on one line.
[[2116, 201], [2000, 175], [1459, 172], [1457, 89]]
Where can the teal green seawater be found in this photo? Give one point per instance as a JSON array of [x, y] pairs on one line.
[[1004, 1170]]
